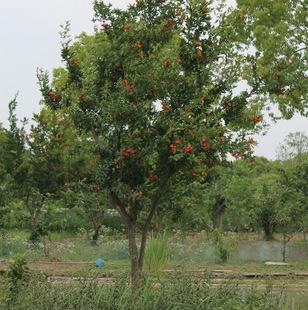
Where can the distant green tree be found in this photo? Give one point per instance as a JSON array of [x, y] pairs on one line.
[[5, 179], [217, 196], [240, 190], [92, 200], [277, 29], [293, 166], [184, 208], [12, 144], [40, 163], [267, 202], [300, 177], [294, 146]]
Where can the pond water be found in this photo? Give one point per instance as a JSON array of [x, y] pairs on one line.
[[243, 250], [269, 251]]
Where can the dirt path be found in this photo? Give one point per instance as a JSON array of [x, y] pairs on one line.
[[49, 265], [57, 267]]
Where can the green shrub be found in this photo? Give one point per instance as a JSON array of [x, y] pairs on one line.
[[17, 277], [222, 248], [156, 255]]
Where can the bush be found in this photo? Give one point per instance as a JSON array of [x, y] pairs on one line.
[[17, 276], [222, 248], [156, 255]]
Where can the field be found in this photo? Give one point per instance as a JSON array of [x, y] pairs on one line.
[[69, 260]]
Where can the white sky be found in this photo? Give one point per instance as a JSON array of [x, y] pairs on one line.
[[29, 36]]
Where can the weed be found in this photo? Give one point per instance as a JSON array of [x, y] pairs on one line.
[[157, 294], [156, 255], [17, 276]]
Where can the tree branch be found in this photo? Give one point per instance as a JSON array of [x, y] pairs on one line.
[[154, 205], [301, 49], [119, 207]]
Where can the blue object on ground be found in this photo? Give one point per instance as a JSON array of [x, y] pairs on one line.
[[100, 263]]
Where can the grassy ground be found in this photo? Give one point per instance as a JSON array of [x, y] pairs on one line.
[[73, 255], [70, 268], [182, 253], [68, 246], [167, 293]]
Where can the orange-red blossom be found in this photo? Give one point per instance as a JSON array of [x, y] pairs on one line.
[[237, 154], [251, 140], [153, 177], [188, 148], [199, 54], [194, 173], [128, 151], [173, 147], [168, 23], [138, 45], [256, 118], [168, 63], [178, 141], [53, 96], [204, 142], [222, 138], [127, 85], [82, 98]]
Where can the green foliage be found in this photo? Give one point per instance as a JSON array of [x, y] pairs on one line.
[[41, 164], [92, 199], [294, 147], [222, 247], [5, 246], [282, 46], [17, 276], [153, 91], [17, 270], [172, 293], [156, 254], [116, 79], [146, 110], [183, 208]]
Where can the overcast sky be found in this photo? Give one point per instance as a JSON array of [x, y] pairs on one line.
[[29, 36]]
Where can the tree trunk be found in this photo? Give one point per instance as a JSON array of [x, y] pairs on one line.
[[34, 207], [35, 233], [218, 212], [96, 233], [97, 223], [268, 229], [33, 220], [137, 257], [156, 225], [305, 239], [217, 221], [136, 263], [284, 248], [286, 239]]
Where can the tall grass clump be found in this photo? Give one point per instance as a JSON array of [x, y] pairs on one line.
[[222, 248], [156, 255], [167, 293], [17, 277]]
